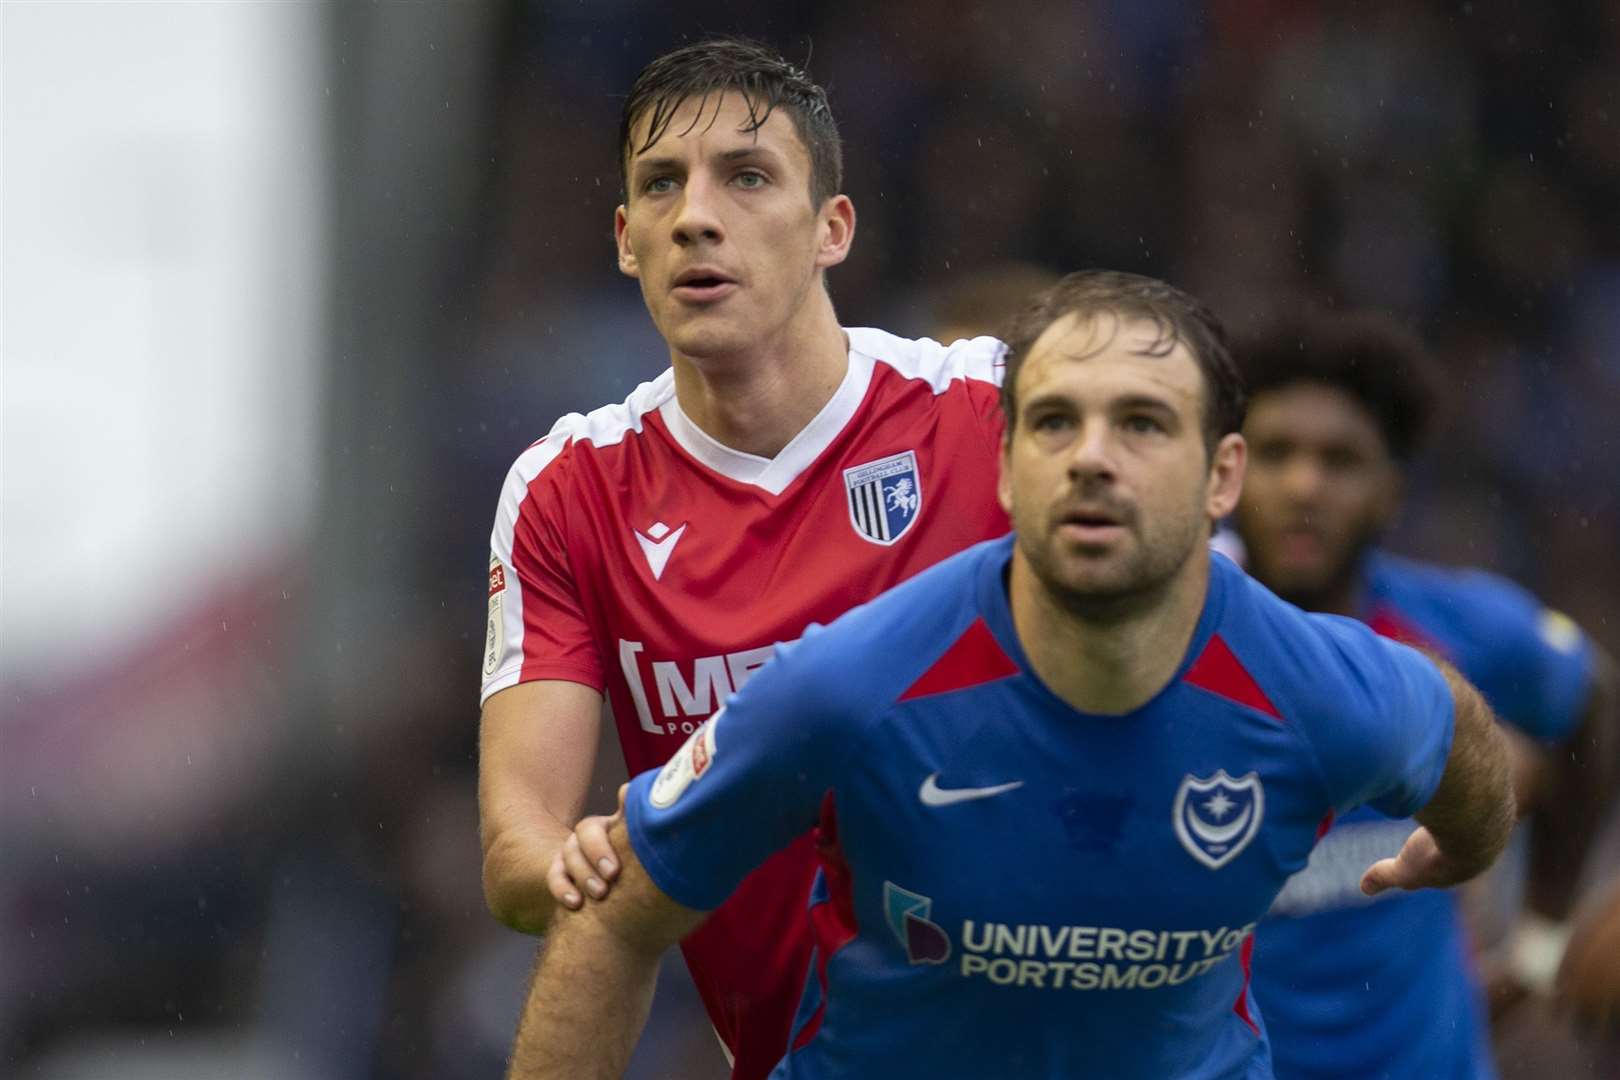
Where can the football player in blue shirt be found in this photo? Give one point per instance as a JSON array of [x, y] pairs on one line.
[[1058, 777], [1354, 987]]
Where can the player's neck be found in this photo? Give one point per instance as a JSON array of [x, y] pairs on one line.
[[756, 402], [1114, 659]]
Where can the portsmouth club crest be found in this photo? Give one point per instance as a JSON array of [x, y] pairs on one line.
[[885, 497], [1216, 818]]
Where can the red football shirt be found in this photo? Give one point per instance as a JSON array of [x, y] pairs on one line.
[[636, 555]]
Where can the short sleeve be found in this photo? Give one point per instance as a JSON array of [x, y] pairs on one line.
[[745, 784], [1381, 720], [537, 626], [1535, 667]]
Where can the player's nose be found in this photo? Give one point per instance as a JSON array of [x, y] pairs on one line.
[[698, 219], [1302, 479], [1091, 456]]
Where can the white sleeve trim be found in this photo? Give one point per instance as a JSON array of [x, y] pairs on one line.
[[979, 359]]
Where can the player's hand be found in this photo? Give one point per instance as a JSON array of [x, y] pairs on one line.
[[1420, 864], [586, 864]]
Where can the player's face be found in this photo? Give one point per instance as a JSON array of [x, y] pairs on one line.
[[1106, 475], [1321, 486], [720, 230]]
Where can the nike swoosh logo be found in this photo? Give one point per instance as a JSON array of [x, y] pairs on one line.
[[933, 795], [658, 551]]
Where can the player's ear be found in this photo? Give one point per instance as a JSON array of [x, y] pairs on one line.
[[837, 231], [1226, 464], [621, 239]]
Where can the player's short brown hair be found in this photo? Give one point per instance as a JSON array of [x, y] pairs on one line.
[[1178, 317], [765, 81], [1376, 360]]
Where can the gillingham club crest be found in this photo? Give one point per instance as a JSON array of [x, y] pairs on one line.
[[1216, 818], [885, 497]]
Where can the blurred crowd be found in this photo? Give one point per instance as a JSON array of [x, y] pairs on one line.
[[313, 909]]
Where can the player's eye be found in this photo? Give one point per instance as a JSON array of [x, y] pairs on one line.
[[659, 185], [1270, 453], [1143, 424], [1340, 459], [1050, 422], [750, 179]]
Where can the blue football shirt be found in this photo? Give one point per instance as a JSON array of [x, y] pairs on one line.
[[1011, 887], [1383, 987]]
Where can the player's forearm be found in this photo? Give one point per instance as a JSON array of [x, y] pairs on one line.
[[1473, 810], [587, 1004], [1583, 775], [516, 860]]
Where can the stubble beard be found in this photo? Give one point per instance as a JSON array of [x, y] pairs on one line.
[[1138, 580]]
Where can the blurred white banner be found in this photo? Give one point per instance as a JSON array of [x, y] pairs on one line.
[[164, 212]]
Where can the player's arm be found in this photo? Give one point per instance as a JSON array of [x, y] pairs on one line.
[[747, 782], [1576, 784], [594, 981], [536, 752], [1465, 825]]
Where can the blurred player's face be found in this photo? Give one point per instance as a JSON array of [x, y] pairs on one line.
[[720, 230], [1106, 474], [1321, 487]]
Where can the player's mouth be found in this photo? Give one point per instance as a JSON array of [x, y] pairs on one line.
[[1300, 545], [703, 285], [1091, 525]]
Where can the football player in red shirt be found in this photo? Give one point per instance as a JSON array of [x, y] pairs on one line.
[[782, 470]]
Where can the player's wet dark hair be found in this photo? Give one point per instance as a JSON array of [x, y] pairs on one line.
[[766, 82], [1178, 317], [1371, 357]]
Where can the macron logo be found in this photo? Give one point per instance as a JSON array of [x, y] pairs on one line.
[[657, 545]]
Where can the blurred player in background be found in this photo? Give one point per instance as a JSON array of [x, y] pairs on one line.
[[782, 470], [1057, 778], [1352, 987], [977, 303]]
